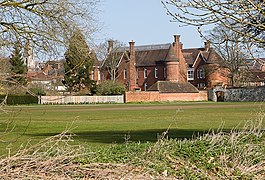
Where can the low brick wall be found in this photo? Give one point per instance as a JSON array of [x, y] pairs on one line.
[[156, 96]]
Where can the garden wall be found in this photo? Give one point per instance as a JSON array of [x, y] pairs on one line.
[[247, 94], [80, 99], [156, 96]]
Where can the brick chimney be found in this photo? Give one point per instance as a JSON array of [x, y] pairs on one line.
[[132, 69], [177, 45], [110, 45], [207, 45], [172, 65]]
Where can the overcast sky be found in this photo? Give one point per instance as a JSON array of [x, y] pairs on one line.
[[144, 21]]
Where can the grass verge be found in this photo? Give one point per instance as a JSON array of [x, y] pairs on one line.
[[238, 154]]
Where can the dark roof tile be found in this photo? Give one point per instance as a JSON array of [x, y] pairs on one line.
[[173, 87]]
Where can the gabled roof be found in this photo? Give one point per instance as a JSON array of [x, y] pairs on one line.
[[209, 56], [173, 87], [191, 55], [117, 55]]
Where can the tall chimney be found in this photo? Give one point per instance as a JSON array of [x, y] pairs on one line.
[[110, 45], [207, 45], [177, 45], [132, 51], [176, 38], [132, 68]]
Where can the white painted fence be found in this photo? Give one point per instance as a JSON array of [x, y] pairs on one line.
[[80, 99]]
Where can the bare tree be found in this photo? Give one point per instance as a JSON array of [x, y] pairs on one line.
[[234, 53], [47, 24], [245, 17], [112, 53]]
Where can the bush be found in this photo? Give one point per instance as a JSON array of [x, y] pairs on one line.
[[22, 99], [110, 87]]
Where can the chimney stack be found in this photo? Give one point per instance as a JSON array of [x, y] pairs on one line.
[[176, 38], [132, 68], [207, 45], [132, 51], [110, 43], [177, 45]]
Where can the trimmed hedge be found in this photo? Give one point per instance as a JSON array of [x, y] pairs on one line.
[[19, 99]]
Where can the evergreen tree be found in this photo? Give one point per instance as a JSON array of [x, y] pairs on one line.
[[18, 68], [78, 64]]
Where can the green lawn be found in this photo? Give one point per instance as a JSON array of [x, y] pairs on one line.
[[111, 123]]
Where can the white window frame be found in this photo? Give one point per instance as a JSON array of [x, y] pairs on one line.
[[145, 86], [99, 75], [156, 73], [125, 73], [92, 75], [200, 73], [190, 74], [145, 73], [202, 85]]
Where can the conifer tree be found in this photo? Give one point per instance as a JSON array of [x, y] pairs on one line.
[[18, 68], [78, 64]]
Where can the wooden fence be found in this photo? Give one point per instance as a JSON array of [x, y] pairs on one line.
[[80, 99]]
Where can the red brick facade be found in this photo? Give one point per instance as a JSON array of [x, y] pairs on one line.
[[142, 66]]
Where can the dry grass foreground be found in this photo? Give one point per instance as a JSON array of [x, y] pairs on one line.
[[234, 155]]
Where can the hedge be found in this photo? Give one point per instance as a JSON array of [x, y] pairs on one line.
[[19, 99]]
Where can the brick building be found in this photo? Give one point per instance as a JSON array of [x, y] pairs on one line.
[[141, 67]]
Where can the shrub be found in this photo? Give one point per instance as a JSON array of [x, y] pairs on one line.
[[110, 87], [22, 99]]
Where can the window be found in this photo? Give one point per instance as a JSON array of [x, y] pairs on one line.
[[145, 86], [99, 76], [137, 75], [165, 71], [125, 73], [156, 73], [190, 74], [92, 75], [201, 85], [200, 73], [145, 73]]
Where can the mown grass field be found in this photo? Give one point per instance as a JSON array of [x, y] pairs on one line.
[[105, 124]]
